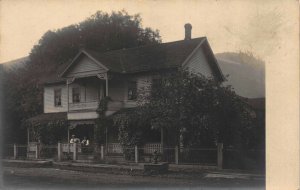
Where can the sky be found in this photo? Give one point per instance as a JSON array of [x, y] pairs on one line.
[[230, 26]]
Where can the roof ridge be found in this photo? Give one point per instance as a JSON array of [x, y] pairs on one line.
[[143, 46]]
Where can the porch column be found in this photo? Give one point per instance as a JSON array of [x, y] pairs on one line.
[[68, 133], [106, 85], [27, 136], [67, 96], [106, 144]]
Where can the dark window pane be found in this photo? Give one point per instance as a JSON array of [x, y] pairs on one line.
[[132, 90], [57, 97], [76, 95]]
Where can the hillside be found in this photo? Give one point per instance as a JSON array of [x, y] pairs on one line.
[[14, 64], [246, 73]]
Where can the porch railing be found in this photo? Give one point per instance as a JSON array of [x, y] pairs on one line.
[[114, 148], [69, 147], [93, 105]]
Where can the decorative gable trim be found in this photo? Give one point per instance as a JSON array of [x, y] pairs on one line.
[[193, 52], [75, 59], [213, 63]]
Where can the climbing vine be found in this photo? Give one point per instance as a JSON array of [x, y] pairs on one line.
[[131, 130], [48, 133], [102, 121]]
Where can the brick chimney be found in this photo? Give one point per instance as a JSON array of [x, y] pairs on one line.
[[188, 31]]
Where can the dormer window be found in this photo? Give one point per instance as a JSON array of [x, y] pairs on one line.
[[57, 97], [132, 90], [76, 95]]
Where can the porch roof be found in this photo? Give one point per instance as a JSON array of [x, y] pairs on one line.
[[46, 118]]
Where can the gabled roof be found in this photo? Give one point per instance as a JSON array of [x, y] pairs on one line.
[[145, 58], [150, 57]]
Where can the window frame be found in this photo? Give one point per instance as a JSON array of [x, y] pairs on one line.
[[78, 99], [56, 90], [133, 89]]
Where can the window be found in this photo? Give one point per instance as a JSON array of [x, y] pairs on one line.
[[76, 95], [57, 97], [132, 90]]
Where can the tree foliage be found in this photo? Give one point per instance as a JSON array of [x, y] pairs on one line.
[[101, 31], [198, 109]]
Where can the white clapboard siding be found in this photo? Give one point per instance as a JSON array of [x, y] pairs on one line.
[[49, 99], [199, 64], [84, 66]]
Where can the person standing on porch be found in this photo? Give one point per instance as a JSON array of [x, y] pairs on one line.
[[74, 140], [85, 141]]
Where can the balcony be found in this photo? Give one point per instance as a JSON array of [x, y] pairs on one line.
[[92, 106]]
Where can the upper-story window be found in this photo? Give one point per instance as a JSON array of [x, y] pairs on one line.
[[76, 95], [57, 97], [132, 90]]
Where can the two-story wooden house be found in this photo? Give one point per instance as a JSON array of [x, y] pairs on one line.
[[74, 93]]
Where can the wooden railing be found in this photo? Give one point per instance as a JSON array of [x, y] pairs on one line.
[[69, 147], [150, 148], [83, 106], [114, 148], [112, 105]]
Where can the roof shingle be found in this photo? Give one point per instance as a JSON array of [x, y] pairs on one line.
[[146, 58]]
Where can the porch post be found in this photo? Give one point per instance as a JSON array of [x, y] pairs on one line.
[[220, 155], [15, 151], [136, 154], [37, 151], [75, 151], [106, 85], [162, 139], [102, 152], [59, 151], [106, 144], [67, 96], [27, 136], [176, 155], [68, 133]]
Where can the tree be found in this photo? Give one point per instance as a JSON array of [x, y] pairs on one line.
[[23, 87], [198, 110]]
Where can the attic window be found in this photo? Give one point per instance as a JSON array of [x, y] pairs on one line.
[[76, 95], [132, 90], [57, 97]]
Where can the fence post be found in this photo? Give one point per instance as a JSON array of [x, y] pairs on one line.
[[37, 151], [15, 151], [74, 151], [176, 155], [102, 152], [220, 155], [136, 155], [59, 151]]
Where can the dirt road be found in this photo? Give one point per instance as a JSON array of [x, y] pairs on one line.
[[51, 178]]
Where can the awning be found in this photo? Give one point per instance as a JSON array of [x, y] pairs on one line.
[[47, 118], [74, 123]]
